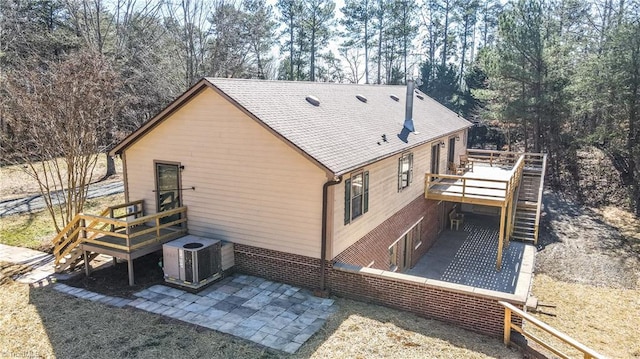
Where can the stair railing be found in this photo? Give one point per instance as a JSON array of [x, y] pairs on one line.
[[510, 309], [539, 204]]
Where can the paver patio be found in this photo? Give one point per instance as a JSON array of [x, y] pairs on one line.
[[276, 315]]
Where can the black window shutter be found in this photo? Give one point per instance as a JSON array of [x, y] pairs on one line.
[[365, 205], [410, 167], [347, 201]]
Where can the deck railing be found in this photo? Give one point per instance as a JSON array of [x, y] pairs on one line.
[[492, 191], [69, 237], [123, 221], [510, 309], [493, 157], [539, 204], [130, 229]]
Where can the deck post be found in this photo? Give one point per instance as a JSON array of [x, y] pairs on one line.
[[87, 267], [130, 270], [111, 216], [157, 228], [128, 233], [507, 326], [500, 239], [509, 219]]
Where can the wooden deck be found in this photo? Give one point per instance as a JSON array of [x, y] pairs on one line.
[[494, 181], [122, 231], [486, 185], [140, 245]]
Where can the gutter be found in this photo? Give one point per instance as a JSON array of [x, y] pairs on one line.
[[323, 247]]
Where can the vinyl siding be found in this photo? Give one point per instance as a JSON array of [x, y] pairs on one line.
[[250, 187], [384, 198]]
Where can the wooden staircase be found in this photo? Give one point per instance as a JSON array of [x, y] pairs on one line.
[[529, 202], [66, 244]]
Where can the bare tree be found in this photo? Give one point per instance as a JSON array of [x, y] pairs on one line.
[[59, 113]]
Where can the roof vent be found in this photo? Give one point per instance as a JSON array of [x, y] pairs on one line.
[[395, 98], [361, 98], [313, 100], [420, 97]]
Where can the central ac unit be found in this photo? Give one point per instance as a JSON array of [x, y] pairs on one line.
[[194, 261]]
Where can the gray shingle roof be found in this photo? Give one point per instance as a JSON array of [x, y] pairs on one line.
[[342, 133]]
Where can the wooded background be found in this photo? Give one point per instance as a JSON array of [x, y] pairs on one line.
[[559, 76]]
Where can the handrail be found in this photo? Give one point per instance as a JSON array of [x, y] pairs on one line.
[[510, 184], [539, 204], [508, 325], [61, 242], [128, 234], [510, 156]]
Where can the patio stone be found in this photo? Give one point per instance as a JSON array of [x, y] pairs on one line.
[[287, 336], [195, 307], [189, 297], [273, 341], [135, 302], [182, 304], [289, 315], [244, 332], [282, 303], [291, 347], [227, 327], [97, 297], [236, 300], [218, 295], [163, 289], [225, 306], [214, 313], [258, 336], [188, 316], [228, 289], [120, 303], [302, 337], [272, 310], [253, 323], [232, 318], [298, 309], [266, 284], [206, 301], [177, 314], [145, 305], [244, 312], [247, 292]]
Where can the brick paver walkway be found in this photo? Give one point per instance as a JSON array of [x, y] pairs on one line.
[[272, 314]]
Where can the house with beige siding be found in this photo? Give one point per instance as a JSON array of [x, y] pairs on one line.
[[298, 172], [332, 187]]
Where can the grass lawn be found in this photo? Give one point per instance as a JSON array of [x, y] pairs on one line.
[[15, 182], [605, 319], [35, 230], [40, 322]]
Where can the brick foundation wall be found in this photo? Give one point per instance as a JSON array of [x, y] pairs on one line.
[[278, 266], [374, 246], [477, 313], [446, 302]]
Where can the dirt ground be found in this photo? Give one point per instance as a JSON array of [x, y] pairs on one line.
[[582, 245]]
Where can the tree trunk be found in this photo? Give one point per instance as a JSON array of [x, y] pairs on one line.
[[366, 44], [111, 166]]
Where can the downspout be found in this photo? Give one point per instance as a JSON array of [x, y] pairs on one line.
[[323, 246]]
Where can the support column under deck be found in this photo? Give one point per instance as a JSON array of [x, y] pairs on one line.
[[501, 238]]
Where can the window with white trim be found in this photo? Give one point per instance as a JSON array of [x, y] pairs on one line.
[[405, 171]]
